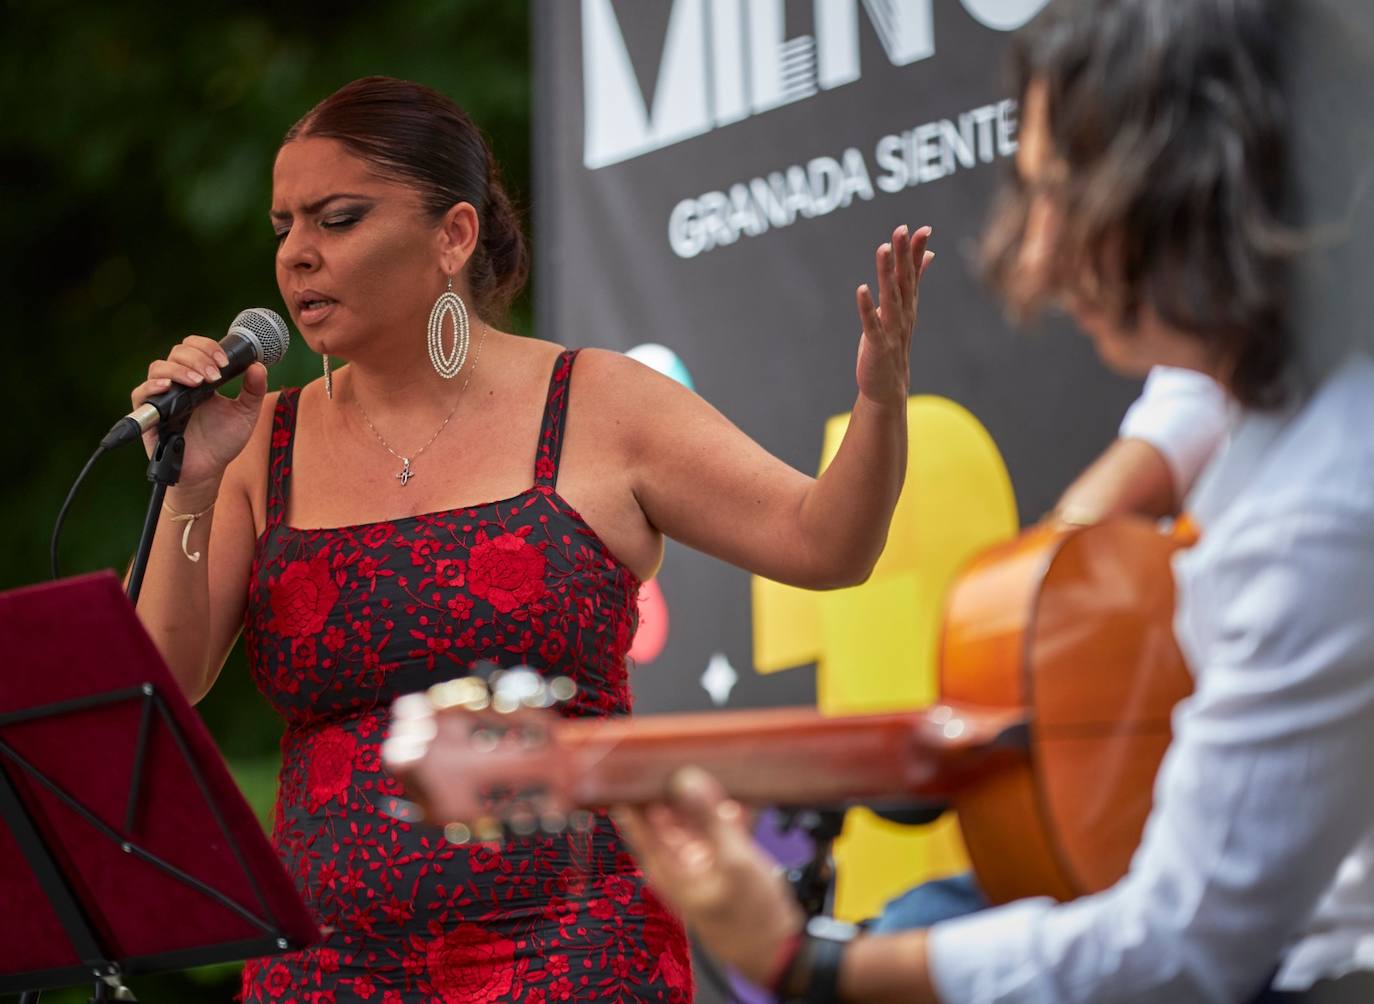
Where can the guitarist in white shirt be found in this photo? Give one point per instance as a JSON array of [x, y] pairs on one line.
[[1147, 205]]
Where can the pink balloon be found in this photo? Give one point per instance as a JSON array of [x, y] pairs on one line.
[[652, 635]]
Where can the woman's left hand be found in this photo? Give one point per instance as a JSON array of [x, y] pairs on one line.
[[883, 370]]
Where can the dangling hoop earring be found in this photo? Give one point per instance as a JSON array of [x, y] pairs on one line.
[[445, 364], [328, 380]]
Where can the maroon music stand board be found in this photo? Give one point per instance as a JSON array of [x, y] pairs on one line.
[[125, 846]]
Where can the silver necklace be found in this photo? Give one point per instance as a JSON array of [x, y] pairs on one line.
[[406, 472]]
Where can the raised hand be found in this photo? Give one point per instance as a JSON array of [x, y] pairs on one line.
[[883, 369], [219, 429]]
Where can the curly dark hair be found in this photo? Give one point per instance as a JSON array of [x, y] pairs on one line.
[[1169, 120], [415, 135]]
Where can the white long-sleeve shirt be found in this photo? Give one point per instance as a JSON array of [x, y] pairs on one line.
[[1259, 852]]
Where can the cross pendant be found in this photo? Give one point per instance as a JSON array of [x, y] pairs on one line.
[[406, 473]]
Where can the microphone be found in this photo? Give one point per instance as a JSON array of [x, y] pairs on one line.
[[256, 335]]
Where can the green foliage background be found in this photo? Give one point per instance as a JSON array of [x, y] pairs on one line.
[[136, 144]]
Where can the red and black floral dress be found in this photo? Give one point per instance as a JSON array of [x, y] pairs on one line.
[[340, 621]]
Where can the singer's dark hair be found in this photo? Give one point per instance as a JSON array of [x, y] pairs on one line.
[[1169, 121], [415, 135]]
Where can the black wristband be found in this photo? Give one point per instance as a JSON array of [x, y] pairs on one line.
[[824, 987], [814, 977]]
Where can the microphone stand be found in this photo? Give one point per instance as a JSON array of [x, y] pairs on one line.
[[164, 470], [813, 883]]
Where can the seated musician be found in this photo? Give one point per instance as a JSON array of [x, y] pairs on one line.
[[1147, 205], [1168, 435]]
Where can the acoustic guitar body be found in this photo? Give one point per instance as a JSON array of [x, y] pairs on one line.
[[1073, 625]]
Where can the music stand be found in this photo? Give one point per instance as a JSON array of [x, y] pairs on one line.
[[125, 846]]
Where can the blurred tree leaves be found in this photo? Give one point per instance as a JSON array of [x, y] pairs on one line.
[[136, 144]]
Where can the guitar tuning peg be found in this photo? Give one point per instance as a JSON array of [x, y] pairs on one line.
[[412, 707], [523, 823], [563, 689], [412, 729], [457, 833], [517, 687], [463, 692], [488, 830]]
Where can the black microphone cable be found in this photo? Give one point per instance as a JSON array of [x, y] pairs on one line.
[[62, 513]]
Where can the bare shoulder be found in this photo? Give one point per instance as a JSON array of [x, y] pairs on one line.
[[529, 361], [611, 381], [619, 384], [635, 400]]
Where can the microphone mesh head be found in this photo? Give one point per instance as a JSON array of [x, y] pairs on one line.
[[266, 330]]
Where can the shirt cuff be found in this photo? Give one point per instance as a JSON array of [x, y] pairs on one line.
[[987, 956]]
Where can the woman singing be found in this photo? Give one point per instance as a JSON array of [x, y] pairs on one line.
[[441, 501]]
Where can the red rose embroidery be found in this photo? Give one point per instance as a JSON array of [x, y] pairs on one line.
[[485, 859], [422, 550], [507, 572], [448, 572], [334, 638], [302, 598], [562, 912], [544, 468], [286, 679], [369, 760], [378, 535], [621, 890], [364, 987], [667, 942], [278, 980], [303, 653], [331, 765], [469, 965], [553, 648]]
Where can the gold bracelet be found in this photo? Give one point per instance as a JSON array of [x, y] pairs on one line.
[[189, 518]]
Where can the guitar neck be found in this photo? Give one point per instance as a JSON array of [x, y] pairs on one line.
[[790, 756]]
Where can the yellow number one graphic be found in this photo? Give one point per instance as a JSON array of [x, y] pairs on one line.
[[875, 645]]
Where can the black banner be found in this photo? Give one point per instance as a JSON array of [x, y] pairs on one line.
[[713, 176]]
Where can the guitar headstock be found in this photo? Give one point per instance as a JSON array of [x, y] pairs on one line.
[[480, 756]]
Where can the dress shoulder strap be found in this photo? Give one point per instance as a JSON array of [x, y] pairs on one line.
[[555, 418], [279, 456]]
